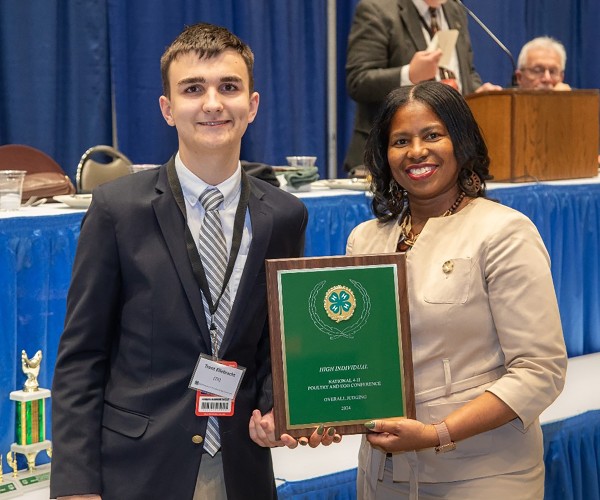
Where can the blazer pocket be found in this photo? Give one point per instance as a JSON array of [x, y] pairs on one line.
[[448, 282], [124, 422]]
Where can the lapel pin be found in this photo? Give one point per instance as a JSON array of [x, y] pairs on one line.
[[448, 267]]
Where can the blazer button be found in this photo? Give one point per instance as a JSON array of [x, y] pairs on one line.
[[196, 439]]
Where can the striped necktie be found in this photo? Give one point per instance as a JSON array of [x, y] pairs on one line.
[[434, 25], [213, 252]]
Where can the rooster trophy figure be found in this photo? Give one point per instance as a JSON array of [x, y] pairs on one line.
[[31, 368]]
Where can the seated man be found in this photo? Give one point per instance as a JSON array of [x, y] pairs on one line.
[[542, 65]]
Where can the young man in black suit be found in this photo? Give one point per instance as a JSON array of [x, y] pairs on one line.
[[124, 417]]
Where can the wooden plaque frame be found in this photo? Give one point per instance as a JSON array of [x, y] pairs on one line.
[[274, 268]]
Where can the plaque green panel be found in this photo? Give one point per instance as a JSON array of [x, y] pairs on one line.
[[339, 368]]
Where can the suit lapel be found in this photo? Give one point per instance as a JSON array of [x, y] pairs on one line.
[[451, 16], [172, 225], [262, 224], [410, 19]]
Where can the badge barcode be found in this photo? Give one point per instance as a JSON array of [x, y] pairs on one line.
[[214, 405]]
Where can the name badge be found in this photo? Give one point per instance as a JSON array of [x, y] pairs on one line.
[[219, 378]]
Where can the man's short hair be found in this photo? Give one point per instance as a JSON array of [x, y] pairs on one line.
[[543, 42], [206, 40]]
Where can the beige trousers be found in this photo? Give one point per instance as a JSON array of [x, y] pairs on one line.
[[210, 484], [523, 485]]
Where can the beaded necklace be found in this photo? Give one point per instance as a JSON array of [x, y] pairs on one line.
[[407, 238]]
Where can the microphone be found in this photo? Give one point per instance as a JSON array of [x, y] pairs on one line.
[[513, 80]]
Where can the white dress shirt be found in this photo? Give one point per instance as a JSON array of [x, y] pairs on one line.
[[192, 187], [423, 10]]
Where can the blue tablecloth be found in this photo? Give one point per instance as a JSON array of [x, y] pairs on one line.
[[36, 255], [571, 456], [568, 219], [331, 218], [338, 486]]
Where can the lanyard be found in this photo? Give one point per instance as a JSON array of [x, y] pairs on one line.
[[195, 260]]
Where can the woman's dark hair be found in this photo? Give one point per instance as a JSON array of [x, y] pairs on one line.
[[469, 147]]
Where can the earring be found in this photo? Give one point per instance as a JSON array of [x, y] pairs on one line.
[[396, 197], [470, 182]]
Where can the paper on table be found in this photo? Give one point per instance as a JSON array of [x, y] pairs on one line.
[[446, 41]]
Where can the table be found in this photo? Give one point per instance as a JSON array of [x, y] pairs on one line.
[[567, 215], [331, 216], [37, 249], [571, 427], [36, 255]]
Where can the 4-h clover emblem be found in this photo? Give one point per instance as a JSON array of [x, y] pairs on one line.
[[339, 303]]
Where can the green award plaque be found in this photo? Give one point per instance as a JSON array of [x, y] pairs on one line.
[[340, 342]]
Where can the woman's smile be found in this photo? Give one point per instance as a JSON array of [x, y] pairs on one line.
[[421, 171]]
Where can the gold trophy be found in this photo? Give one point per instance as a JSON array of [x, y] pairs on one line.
[[30, 432], [8, 488]]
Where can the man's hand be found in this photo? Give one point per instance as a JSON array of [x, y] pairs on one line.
[[562, 86], [424, 65], [488, 86], [262, 431]]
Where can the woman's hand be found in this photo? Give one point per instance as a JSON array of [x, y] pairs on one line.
[[321, 435], [262, 432], [401, 434]]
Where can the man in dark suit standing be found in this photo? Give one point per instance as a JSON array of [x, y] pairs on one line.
[[143, 314], [387, 48]]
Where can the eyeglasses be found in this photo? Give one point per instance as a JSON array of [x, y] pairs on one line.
[[539, 71]]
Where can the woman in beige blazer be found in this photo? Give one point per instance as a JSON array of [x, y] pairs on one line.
[[487, 342]]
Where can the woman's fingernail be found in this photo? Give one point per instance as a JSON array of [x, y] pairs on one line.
[[370, 424], [303, 441], [331, 431], [337, 439], [320, 430]]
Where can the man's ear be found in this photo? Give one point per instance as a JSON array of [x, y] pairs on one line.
[[165, 109], [519, 75], [254, 102]]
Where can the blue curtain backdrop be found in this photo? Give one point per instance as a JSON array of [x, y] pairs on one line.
[[55, 91], [61, 63], [289, 43]]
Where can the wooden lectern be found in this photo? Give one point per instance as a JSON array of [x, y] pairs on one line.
[[539, 134]]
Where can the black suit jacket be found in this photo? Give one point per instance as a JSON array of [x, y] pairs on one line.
[[385, 35], [123, 416]]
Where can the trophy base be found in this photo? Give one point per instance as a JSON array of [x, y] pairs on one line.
[[9, 489], [25, 449], [26, 481]]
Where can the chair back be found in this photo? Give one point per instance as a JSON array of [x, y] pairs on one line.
[[44, 179], [22, 157], [91, 173]]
